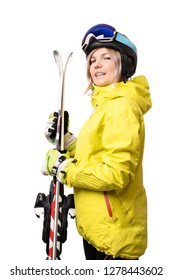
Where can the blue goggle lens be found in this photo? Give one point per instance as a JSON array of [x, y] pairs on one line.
[[99, 31]]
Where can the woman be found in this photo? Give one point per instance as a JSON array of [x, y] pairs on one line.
[[106, 171]]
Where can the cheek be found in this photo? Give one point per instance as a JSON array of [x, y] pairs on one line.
[[113, 72]]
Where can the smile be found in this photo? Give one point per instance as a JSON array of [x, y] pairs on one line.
[[99, 74]]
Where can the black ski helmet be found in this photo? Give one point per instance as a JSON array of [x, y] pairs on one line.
[[104, 35]]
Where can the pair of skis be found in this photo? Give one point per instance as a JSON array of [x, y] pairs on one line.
[[55, 204], [55, 244]]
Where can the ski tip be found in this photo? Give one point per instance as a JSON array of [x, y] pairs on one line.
[[55, 52], [70, 57], [57, 57], [71, 54]]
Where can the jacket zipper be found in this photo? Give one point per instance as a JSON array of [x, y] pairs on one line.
[[108, 204]]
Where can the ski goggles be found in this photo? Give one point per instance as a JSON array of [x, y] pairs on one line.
[[103, 33]]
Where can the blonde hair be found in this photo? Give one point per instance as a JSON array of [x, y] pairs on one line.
[[116, 56]]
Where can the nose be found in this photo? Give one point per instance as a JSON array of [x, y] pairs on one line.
[[97, 64]]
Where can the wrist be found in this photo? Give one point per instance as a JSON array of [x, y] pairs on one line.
[[70, 141]]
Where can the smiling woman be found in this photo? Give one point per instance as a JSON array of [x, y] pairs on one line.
[[105, 168], [30, 31]]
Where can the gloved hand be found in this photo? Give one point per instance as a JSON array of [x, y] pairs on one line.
[[51, 129], [57, 163]]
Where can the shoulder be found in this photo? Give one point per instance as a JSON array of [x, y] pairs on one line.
[[122, 106]]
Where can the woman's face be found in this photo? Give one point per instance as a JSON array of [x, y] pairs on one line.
[[104, 67]]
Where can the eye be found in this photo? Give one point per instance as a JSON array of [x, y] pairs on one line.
[[92, 60], [107, 58]]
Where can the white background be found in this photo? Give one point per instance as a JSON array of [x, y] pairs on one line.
[[29, 32]]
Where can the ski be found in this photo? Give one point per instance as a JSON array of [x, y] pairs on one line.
[[60, 138], [55, 244], [56, 205]]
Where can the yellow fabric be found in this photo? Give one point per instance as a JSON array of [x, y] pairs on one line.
[[52, 159], [110, 199]]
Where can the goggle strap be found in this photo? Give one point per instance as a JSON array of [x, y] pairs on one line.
[[124, 40]]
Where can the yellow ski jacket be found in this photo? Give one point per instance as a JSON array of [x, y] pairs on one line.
[[110, 199]]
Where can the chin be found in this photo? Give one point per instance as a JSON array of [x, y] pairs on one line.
[[102, 84]]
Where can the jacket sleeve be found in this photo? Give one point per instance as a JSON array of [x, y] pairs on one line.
[[122, 148]]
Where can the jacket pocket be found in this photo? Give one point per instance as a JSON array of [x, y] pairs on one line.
[[108, 204]]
